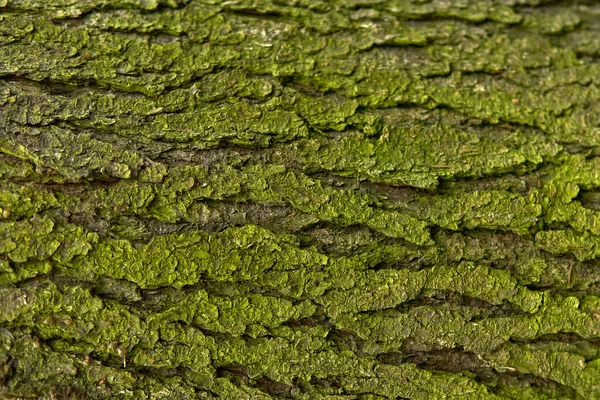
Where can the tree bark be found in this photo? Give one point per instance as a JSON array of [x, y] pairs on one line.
[[294, 199]]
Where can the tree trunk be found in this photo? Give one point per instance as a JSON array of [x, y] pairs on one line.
[[300, 199]]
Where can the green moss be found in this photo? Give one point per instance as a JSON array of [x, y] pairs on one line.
[[299, 199]]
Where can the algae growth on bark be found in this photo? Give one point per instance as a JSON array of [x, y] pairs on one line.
[[299, 199]]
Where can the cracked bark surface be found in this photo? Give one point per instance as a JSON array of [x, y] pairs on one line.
[[293, 199]]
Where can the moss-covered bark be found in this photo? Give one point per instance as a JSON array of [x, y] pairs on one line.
[[346, 199]]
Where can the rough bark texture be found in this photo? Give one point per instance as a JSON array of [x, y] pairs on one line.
[[347, 199]]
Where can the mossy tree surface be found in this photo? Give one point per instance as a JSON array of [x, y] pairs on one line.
[[303, 199]]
